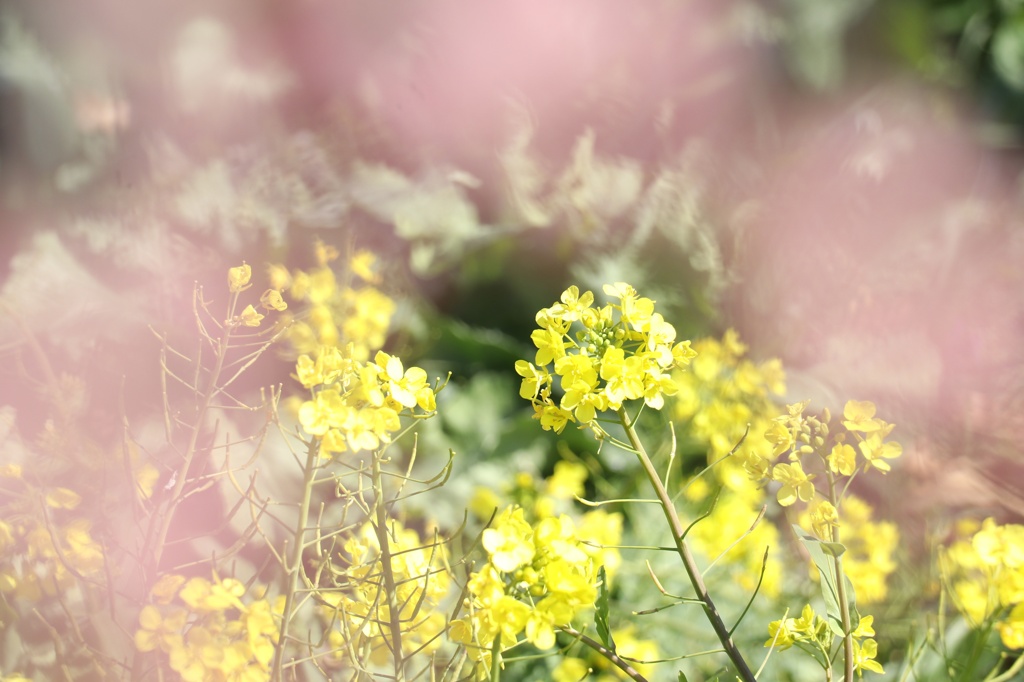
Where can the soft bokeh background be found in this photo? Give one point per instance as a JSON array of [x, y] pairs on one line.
[[838, 181]]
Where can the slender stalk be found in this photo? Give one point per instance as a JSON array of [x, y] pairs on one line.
[[844, 607], [714, 617], [294, 570], [630, 672], [190, 451], [387, 571], [495, 659]]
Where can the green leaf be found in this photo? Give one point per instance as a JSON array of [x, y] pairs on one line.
[[682, 677], [601, 612], [833, 549], [823, 554]]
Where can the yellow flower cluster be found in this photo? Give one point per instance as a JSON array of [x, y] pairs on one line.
[[358, 607], [985, 577], [812, 439], [208, 630], [619, 352], [537, 577], [600, 530], [356, 404], [339, 314], [826, 452], [721, 394], [812, 630], [42, 546]]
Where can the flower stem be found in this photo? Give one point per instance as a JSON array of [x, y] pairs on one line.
[[294, 570], [222, 345], [844, 606], [714, 617], [630, 672], [495, 659], [387, 571]]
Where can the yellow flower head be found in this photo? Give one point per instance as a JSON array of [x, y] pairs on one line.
[[238, 277], [271, 300], [249, 317]]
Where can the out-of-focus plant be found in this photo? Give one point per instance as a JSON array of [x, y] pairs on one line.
[[982, 574], [722, 398]]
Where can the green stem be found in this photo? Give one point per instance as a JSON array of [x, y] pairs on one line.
[[630, 672], [387, 571], [684, 552], [844, 606], [294, 570], [1010, 672], [495, 657]]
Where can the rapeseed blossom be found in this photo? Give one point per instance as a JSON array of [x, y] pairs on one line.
[[352, 311], [984, 575], [537, 577], [209, 629], [355, 405], [599, 358]]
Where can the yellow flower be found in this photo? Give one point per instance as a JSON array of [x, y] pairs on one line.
[[159, 630], [567, 480], [238, 278], [249, 317], [533, 379], [823, 518], [551, 346], [570, 669], [780, 634], [864, 654], [635, 310], [860, 416], [165, 589], [778, 434], [795, 483], [1012, 629], [407, 387], [865, 627], [363, 265], [876, 452], [271, 300], [62, 498], [325, 253], [572, 306], [279, 277], [510, 542], [842, 459], [552, 417]]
